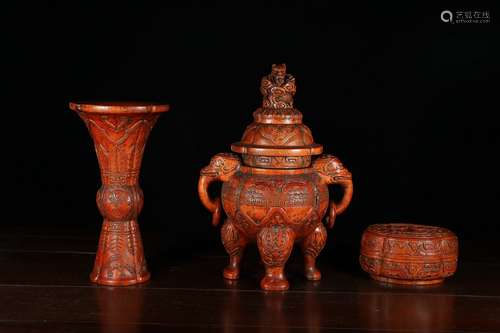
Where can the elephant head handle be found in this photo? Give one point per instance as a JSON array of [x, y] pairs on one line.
[[221, 168], [332, 171]]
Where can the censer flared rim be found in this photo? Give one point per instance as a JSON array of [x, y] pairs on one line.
[[309, 150]]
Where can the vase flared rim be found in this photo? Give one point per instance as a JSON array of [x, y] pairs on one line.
[[118, 107]]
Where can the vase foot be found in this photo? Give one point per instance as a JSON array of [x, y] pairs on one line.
[[114, 282], [120, 256]]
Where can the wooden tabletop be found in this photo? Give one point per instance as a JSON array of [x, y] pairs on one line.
[[44, 287]]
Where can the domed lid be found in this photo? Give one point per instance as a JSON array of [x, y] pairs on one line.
[[277, 129]]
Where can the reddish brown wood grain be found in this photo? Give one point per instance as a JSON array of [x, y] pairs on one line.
[[278, 196], [120, 132], [409, 253]]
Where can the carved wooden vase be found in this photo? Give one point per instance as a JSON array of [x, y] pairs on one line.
[[277, 196], [120, 132]]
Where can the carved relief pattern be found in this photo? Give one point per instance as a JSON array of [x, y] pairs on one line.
[[277, 116], [315, 241], [246, 224], [275, 244], [310, 223], [419, 247], [299, 199], [278, 192], [274, 162], [409, 230], [231, 239], [331, 169], [278, 88], [120, 256], [423, 243], [394, 251], [119, 142], [222, 166], [277, 135], [254, 197], [408, 271], [120, 202], [276, 198]]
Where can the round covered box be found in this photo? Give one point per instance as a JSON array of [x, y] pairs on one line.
[[408, 253]]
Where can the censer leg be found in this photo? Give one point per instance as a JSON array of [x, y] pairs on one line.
[[312, 245], [234, 243], [275, 244]]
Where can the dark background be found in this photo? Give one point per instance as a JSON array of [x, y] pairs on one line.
[[406, 101]]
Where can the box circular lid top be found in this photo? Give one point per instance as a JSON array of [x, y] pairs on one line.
[[277, 129]]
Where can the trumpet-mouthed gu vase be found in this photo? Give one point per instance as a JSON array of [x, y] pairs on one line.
[[120, 131]]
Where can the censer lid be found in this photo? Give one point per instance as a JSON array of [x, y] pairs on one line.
[[277, 129]]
